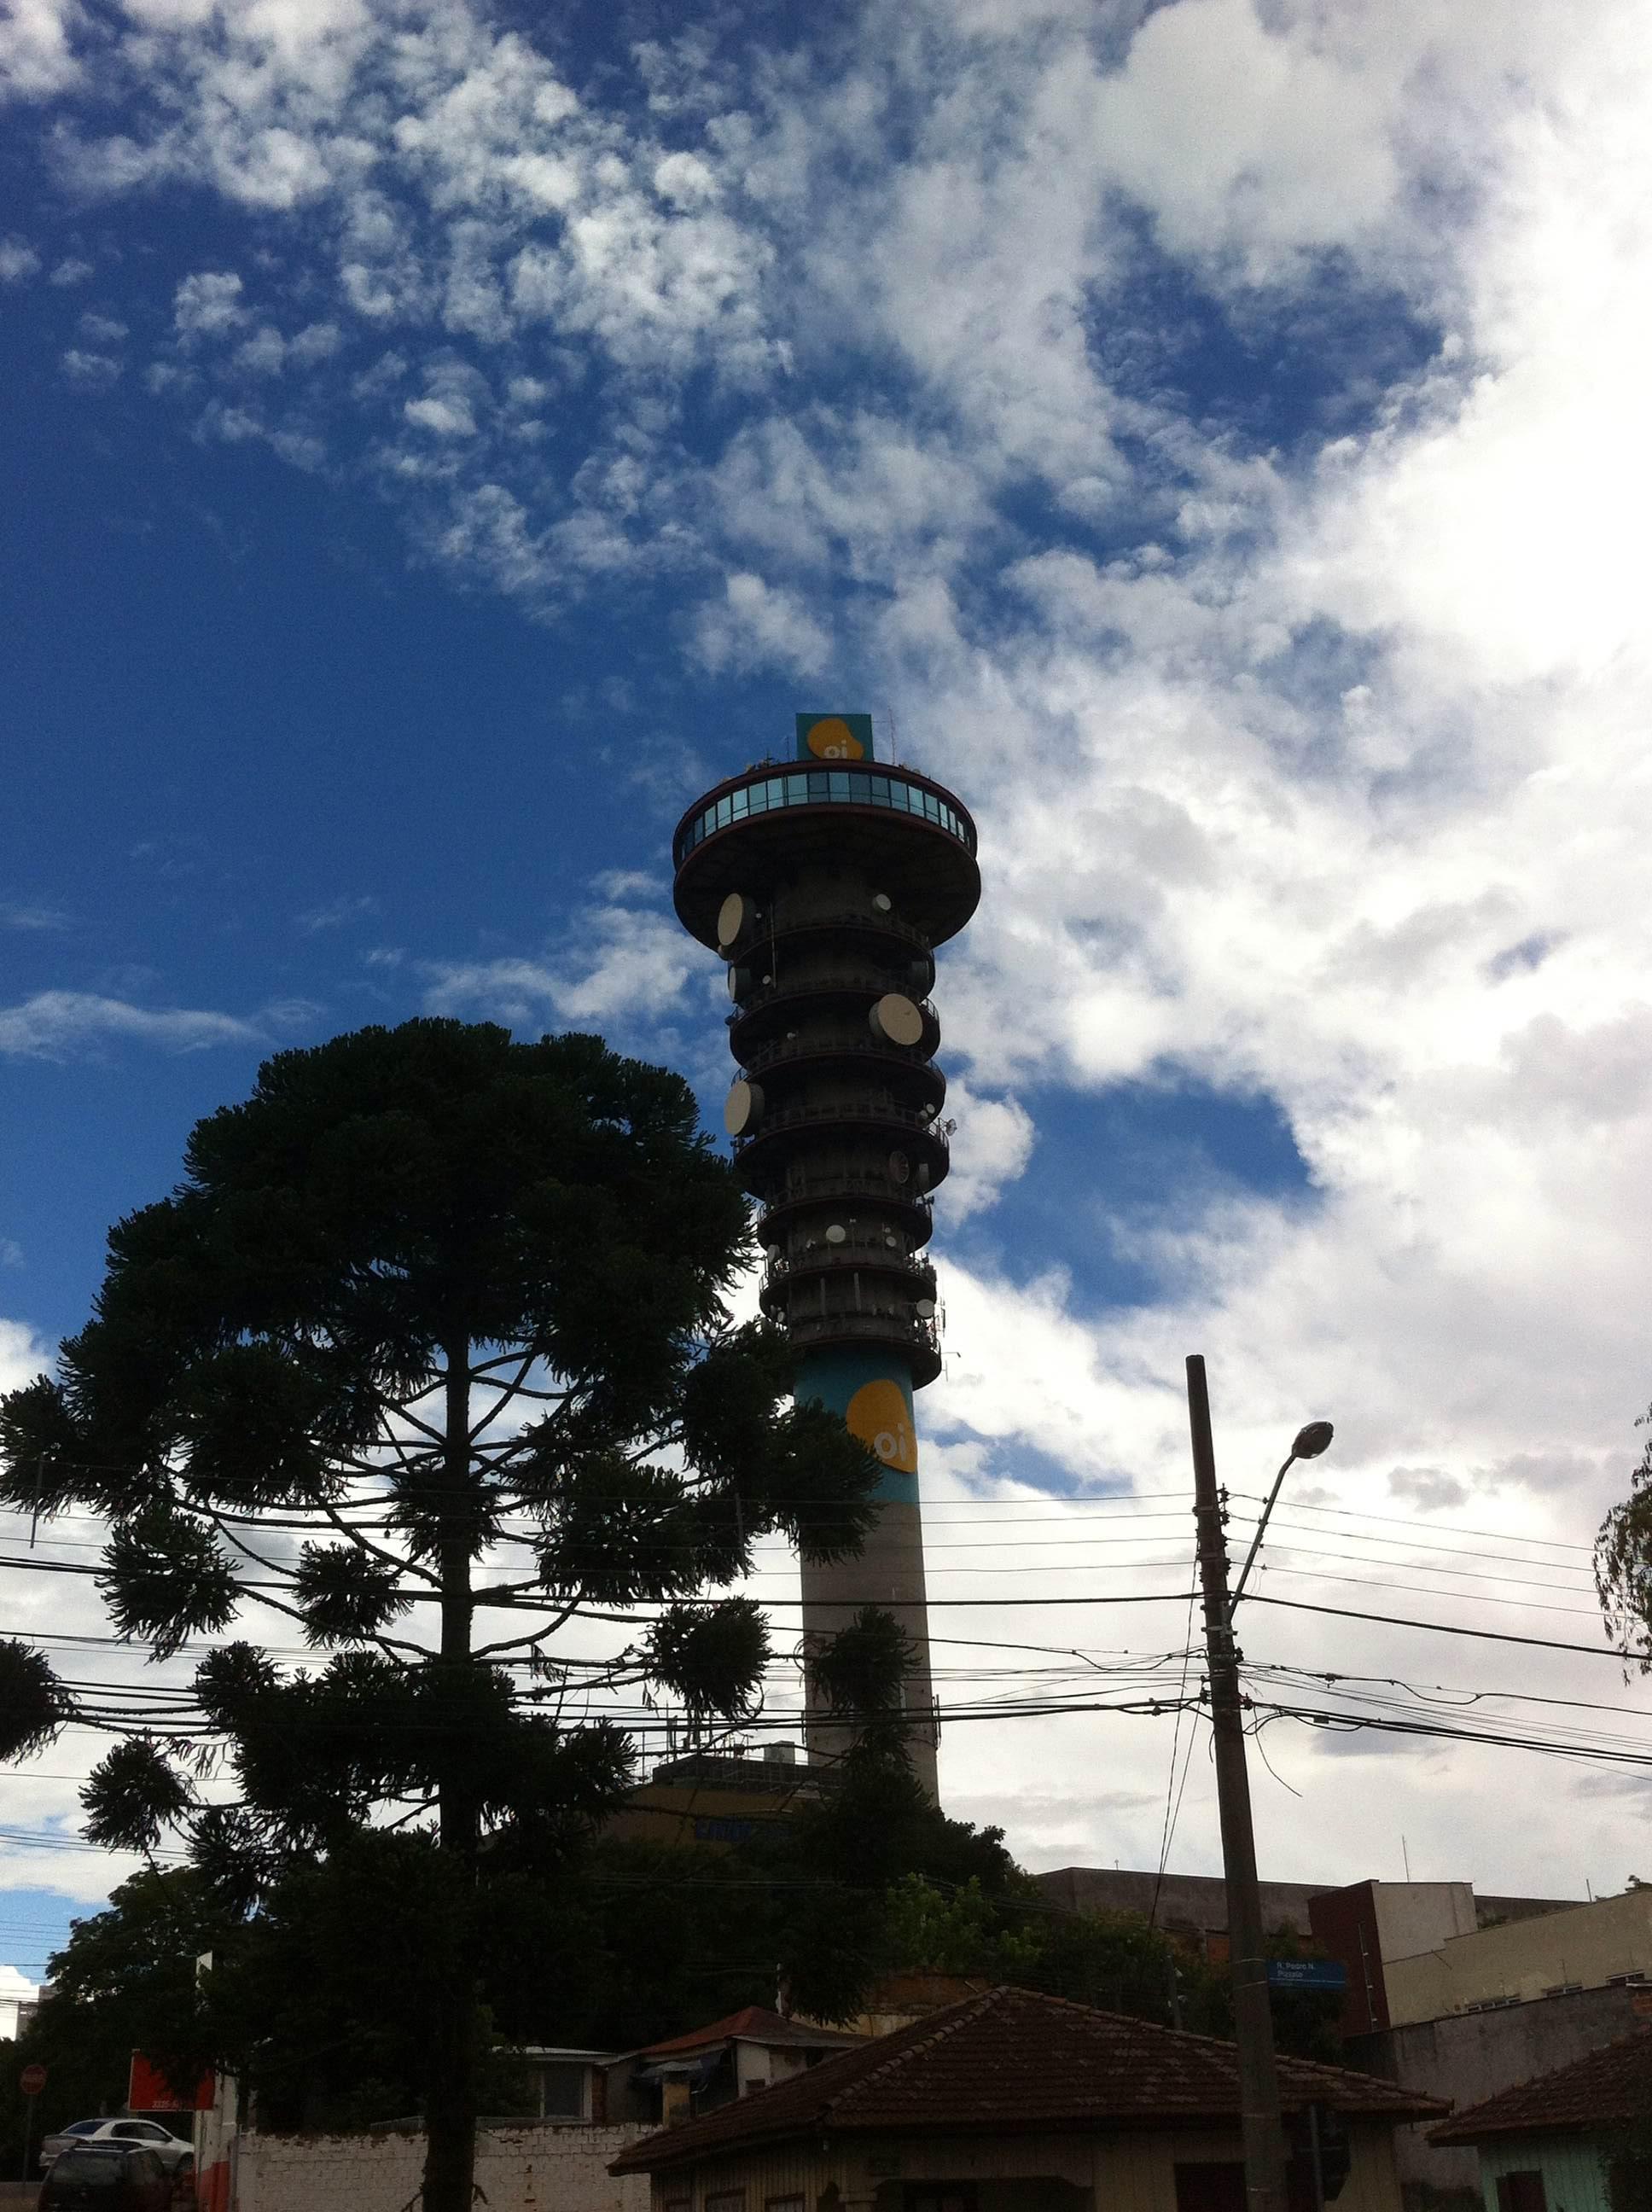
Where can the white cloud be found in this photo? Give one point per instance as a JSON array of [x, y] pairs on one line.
[[23, 1354], [61, 1024], [37, 59], [757, 625], [447, 418], [636, 969], [18, 260], [209, 304], [23, 915], [991, 1146], [91, 372], [1245, 138], [335, 914]]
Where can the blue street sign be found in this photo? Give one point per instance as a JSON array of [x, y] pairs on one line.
[[1306, 1974]]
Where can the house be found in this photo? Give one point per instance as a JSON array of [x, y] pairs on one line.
[[1544, 2145], [750, 2050], [1467, 2056], [564, 2084], [1013, 2102]]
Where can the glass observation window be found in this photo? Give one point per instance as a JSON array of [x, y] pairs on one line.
[[823, 788]]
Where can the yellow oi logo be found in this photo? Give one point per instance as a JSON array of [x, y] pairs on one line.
[[878, 1415], [831, 738]]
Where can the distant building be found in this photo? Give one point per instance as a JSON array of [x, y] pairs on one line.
[[1193, 1907], [1580, 1946], [1415, 1950], [19, 2000], [714, 1797], [1397, 1917]]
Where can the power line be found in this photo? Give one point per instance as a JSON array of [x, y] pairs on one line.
[[1405, 1521], [1440, 1627]]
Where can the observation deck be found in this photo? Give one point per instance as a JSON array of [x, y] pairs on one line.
[[894, 822]]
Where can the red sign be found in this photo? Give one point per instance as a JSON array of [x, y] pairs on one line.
[[31, 2080], [149, 2091]]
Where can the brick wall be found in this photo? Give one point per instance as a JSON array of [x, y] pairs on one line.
[[525, 2169]]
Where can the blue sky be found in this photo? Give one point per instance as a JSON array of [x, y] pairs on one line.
[[1207, 435]]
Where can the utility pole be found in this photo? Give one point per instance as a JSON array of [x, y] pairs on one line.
[[1253, 2022]]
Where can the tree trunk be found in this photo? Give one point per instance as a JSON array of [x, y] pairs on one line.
[[452, 2085]]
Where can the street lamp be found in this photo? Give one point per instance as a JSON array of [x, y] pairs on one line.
[[1308, 1443]]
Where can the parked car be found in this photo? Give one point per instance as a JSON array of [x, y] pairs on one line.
[[107, 2177], [171, 2151]]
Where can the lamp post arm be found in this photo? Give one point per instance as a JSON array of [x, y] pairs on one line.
[[1261, 1530]]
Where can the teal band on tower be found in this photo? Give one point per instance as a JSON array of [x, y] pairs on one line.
[[849, 1379], [826, 885]]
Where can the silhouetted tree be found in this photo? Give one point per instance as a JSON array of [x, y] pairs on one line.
[[1622, 1565], [430, 1343]]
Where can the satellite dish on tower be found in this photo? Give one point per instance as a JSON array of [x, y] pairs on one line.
[[897, 1019], [743, 1107], [733, 917]]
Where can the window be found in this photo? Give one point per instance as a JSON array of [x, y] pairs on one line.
[[561, 2090], [1216, 2185], [1522, 2192], [726, 2200], [783, 2204], [87, 2169], [822, 787]]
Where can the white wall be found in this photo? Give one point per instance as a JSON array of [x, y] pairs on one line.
[[1420, 1916], [526, 2169]]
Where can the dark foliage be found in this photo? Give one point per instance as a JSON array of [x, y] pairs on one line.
[[33, 1704], [1627, 2157], [425, 1288]]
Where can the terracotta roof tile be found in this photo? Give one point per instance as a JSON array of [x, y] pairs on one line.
[[1605, 2089], [1012, 2059], [756, 2025]]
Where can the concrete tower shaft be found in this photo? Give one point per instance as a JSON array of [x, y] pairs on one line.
[[826, 887]]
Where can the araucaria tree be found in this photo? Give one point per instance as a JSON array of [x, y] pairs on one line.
[[428, 1354]]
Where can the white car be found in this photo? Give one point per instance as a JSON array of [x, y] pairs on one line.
[[140, 2133]]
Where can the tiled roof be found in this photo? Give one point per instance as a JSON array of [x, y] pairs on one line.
[[1604, 2090], [754, 2024], [1013, 2060]]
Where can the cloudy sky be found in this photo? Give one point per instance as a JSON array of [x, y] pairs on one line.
[[1212, 436]]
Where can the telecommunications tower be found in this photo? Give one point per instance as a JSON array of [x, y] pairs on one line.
[[826, 884]]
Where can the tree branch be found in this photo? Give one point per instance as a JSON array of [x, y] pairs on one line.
[[379, 1550]]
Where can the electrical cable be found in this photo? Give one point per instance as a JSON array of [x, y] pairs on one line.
[[1444, 1628]]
